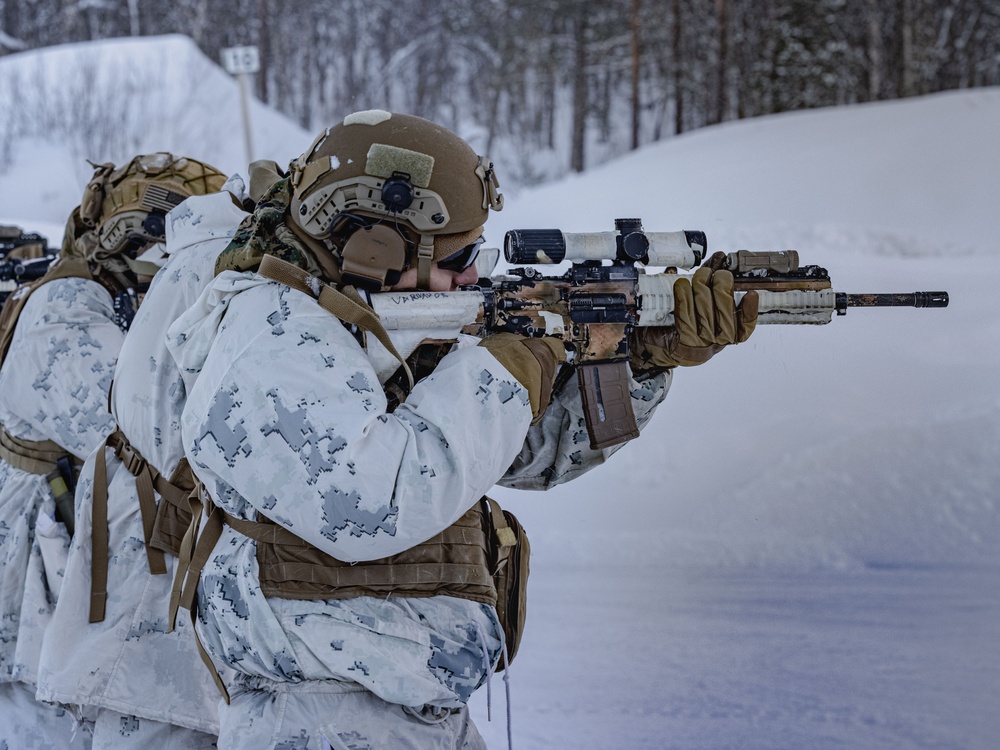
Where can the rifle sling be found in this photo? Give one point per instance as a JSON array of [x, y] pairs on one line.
[[344, 303]]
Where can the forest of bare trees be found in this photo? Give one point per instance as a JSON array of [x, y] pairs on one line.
[[571, 82]]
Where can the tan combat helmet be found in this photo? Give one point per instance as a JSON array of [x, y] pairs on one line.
[[383, 190], [125, 207]]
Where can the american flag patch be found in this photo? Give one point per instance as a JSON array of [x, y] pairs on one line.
[[160, 197]]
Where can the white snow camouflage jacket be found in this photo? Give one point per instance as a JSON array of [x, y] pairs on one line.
[[53, 386], [129, 663], [285, 415]]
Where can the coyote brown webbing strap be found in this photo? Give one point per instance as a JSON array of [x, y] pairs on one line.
[[161, 523], [454, 562], [505, 535], [185, 574], [32, 456], [49, 459], [510, 557], [196, 547], [99, 538], [345, 303]]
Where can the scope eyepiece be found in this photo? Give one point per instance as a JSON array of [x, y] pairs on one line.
[[534, 246]]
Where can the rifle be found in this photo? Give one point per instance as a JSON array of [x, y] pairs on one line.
[[14, 242], [606, 293], [16, 271]]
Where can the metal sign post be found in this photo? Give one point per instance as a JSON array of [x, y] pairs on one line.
[[242, 62]]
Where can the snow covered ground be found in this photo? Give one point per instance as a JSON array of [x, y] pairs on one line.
[[689, 659], [808, 534], [803, 549]]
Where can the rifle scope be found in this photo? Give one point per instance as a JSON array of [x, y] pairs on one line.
[[627, 244]]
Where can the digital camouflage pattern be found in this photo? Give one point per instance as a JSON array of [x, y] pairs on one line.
[[117, 731], [53, 386], [546, 460], [254, 426], [264, 232], [26, 724], [432, 457], [339, 716], [286, 416], [128, 663]]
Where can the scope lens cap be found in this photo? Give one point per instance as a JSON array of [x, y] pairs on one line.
[[635, 245]]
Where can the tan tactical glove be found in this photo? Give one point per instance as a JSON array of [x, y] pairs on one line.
[[706, 320], [532, 361]]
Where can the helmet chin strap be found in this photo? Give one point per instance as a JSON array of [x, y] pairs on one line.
[[425, 259]]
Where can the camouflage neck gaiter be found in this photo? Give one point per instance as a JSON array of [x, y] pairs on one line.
[[264, 232], [79, 240]]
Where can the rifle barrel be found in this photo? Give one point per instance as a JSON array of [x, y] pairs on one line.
[[916, 299]]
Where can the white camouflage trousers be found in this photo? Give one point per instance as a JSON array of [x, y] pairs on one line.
[[115, 731], [26, 724], [331, 715]]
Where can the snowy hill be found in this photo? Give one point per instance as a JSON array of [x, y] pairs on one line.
[[108, 101]]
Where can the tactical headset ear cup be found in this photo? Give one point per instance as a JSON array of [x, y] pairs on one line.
[[372, 254]]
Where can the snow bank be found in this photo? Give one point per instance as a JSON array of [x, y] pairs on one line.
[[111, 100]]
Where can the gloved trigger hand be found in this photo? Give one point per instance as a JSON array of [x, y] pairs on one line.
[[532, 361]]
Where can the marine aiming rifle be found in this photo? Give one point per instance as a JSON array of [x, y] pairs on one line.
[[606, 293]]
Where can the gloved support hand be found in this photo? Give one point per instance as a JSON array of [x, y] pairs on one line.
[[533, 361], [706, 320]]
